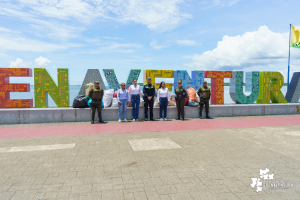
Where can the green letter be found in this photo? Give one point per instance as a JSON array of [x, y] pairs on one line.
[[270, 84], [43, 84]]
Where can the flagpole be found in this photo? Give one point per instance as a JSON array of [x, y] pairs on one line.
[[288, 80]]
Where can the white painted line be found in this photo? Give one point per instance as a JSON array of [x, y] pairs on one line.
[[37, 148], [153, 144]]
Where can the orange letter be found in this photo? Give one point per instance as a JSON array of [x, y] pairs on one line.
[[6, 88], [217, 85]]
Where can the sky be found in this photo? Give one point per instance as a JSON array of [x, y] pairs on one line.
[[239, 35]]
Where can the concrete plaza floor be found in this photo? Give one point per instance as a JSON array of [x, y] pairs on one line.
[[179, 164]]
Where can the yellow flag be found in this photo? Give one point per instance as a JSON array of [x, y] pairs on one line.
[[295, 39]]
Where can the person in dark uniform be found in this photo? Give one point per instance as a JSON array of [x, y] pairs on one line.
[[149, 92], [204, 94], [180, 93], [96, 95]]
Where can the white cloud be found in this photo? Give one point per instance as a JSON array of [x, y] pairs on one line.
[[2, 29], [213, 3], [6, 31], [186, 42], [157, 15], [41, 62], [116, 47], [126, 46], [15, 42], [81, 10], [3, 54], [154, 45], [250, 51], [18, 43], [55, 30], [19, 63], [54, 67], [111, 38]]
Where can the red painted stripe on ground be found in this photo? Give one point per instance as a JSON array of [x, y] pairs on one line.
[[139, 127]]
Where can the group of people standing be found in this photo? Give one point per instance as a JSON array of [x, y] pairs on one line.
[[163, 97]]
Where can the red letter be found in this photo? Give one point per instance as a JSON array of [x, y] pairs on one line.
[[6, 88], [217, 85]]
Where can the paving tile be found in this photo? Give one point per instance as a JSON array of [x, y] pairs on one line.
[[6, 195], [179, 196], [81, 189], [90, 196]]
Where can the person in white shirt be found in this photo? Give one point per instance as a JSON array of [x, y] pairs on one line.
[[122, 97], [135, 93], [163, 97]]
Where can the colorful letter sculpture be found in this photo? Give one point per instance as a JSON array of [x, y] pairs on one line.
[[198, 78], [217, 85], [43, 84], [159, 74], [6, 88], [293, 93], [134, 74], [113, 81], [187, 82], [269, 88], [236, 87], [91, 76], [262, 87]]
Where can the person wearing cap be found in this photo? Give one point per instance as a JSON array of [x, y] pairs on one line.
[[204, 94], [181, 94], [96, 94], [149, 92]]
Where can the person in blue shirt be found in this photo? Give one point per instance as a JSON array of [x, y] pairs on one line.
[[122, 97]]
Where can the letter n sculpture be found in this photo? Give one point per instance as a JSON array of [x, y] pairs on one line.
[[43, 84]]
